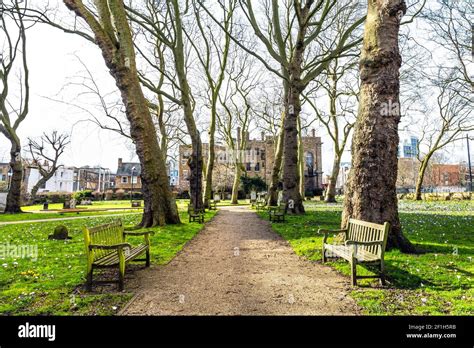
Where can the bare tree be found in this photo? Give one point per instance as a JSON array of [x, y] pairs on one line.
[[164, 22], [454, 116], [451, 30], [291, 39], [12, 114], [113, 36], [45, 154], [238, 113], [213, 57], [339, 84]]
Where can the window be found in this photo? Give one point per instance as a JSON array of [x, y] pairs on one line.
[[134, 179], [3, 177], [62, 174], [124, 180], [257, 167], [248, 166]]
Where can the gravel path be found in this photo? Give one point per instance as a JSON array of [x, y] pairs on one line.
[[238, 266]]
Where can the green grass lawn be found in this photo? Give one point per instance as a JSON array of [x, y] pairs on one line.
[[33, 212], [438, 282], [52, 284]]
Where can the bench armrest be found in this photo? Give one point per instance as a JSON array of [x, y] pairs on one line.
[[327, 232], [110, 246], [138, 233], [355, 242]]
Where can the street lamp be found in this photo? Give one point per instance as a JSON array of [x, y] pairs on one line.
[[131, 192]]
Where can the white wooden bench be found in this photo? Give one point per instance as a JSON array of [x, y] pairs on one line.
[[363, 243]]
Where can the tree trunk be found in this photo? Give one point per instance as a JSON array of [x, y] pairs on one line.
[[331, 189], [301, 160], [421, 177], [371, 188], [278, 158], [211, 157], [195, 162], [236, 184], [160, 206], [291, 177], [36, 187], [13, 205]]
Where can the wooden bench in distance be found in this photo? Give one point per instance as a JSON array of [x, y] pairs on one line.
[[261, 205], [277, 213], [364, 244], [212, 205], [106, 247], [195, 215]]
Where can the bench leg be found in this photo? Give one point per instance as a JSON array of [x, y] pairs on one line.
[[121, 269], [324, 255], [147, 262], [89, 280], [382, 273], [353, 272]]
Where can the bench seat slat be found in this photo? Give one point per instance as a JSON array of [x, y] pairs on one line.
[[345, 252], [112, 258]]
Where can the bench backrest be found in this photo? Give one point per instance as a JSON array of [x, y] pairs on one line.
[[363, 231], [107, 234]]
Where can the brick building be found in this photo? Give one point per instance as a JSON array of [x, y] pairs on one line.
[[257, 160], [445, 175], [128, 173]]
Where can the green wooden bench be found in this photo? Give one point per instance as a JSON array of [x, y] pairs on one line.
[[253, 203], [106, 247], [363, 243], [212, 205], [277, 213], [195, 215], [261, 205]]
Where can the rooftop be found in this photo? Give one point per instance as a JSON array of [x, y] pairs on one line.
[[125, 169]]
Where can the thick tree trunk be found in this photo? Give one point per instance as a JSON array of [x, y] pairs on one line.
[[371, 188], [291, 177], [236, 184], [195, 179], [13, 205], [160, 206], [301, 160], [331, 189], [421, 177]]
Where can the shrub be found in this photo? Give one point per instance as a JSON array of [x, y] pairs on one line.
[[52, 197], [98, 196], [82, 195], [109, 195], [120, 194]]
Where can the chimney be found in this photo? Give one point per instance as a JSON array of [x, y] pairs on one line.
[[119, 163], [313, 131], [263, 136]]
